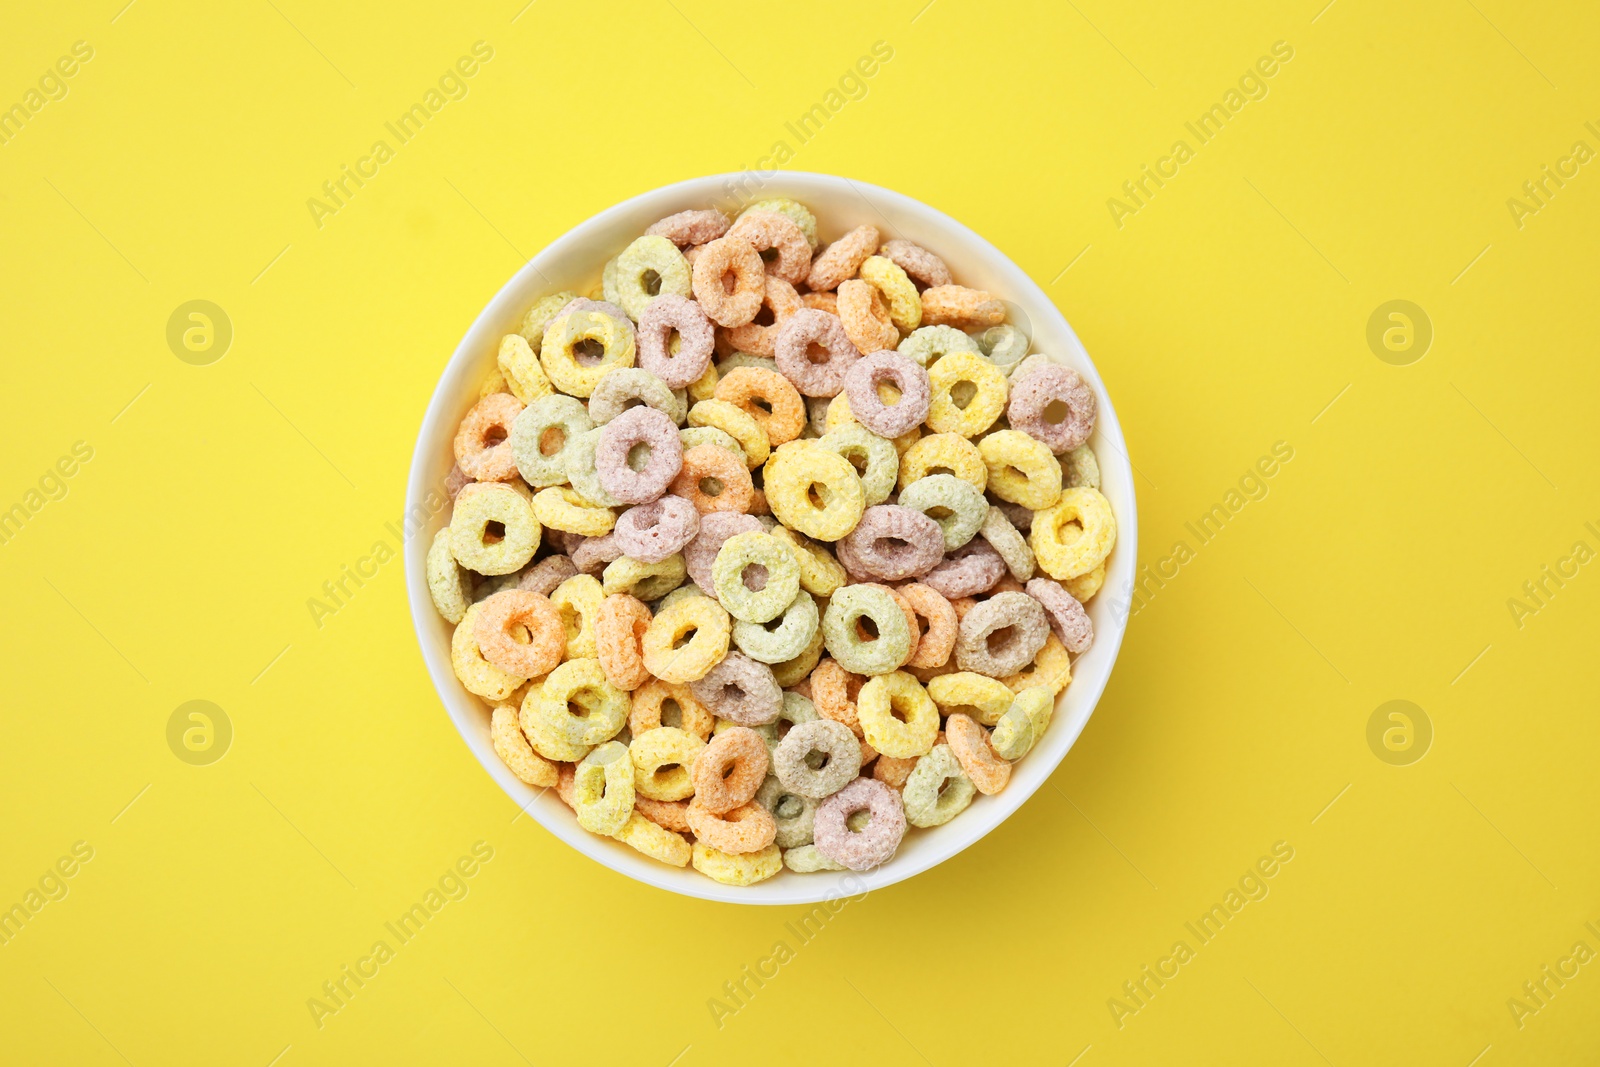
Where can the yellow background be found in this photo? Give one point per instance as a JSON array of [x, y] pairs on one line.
[[1226, 315]]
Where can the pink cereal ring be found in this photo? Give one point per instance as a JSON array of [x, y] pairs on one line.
[[1031, 407], [591, 554], [973, 568], [840, 260], [906, 414], [520, 633], [638, 426], [651, 532], [866, 317], [864, 849], [618, 634], [814, 352], [1067, 617], [660, 319], [761, 338], [690, 227], [725, 304], [963, 308], [483, 443], [716, 527], [767, 229], [919, 263], [544, 576]]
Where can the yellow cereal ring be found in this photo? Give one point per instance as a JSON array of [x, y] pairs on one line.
[[449, 585], [538, 317], [1071, 538], [820, 573], [603, 789], [838, 414], [474, 547], [1085, 586], [513, 749], [700, 616], [579, 599], [730, 869], [562, 508], [647, 581], [493, 382], [794, 671], [663, 763], [815, 491], [645, 836], [626, 286], [520, 368], [1022, 469], [602, 708], [1023, 724], [897, 716], [546, 741], [706, 387], [977, 696], [1051, 668], [887, 276], [481, 677], [563, 335], [952, 379], [736, 423], [944, 453]]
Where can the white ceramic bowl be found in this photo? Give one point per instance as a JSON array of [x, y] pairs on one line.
[[573, 261]]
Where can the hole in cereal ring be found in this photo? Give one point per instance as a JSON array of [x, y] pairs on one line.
[[961, 394], [674, 342], [938, 512], [494, 532], [765, 317], [493, 436], [888, 394], [817, 495], [754, 577], [788, 807], [730, 281], [889, 545], [685, 637], [762, 403], [711, 486], [663, 772], [651, 282], [733, 693], [816, 760], [671, 713], [857, 821], [588, 352], [639, 456], [1001, 639], [942, 470], [772, 626], [551, 440], [728, 770], [815, 353], [867, 628], [1056, 412], [768, 255]]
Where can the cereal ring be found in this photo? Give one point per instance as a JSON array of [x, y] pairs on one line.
[[1052, 404], [542, 435], [796, 710], [978, 697], [649, 267], [730, 770], [968, 394], [663, 763], [867, 406], [618, 636], [864, 849], [667, 814], [560, 508], [893, 772], [677, 365], [834, 691], [1005, 345], [814, 352], [710, 435], [539, 315], [627, 387], [935, 641], [1067, 617], [841, 259], [547, 741], [1001, 635], [767, 397], [592, 555], [480, 677], [794, 671], [672, 659], [944, 453], [483, 451], [929, 344], [764, 230], [760, 338], [521, 633], [747, 828], [567, 355], [739, 870], [514, 750], [715, 528], [1016, 514], [815, 491], [797, 213], [645, 836], [889, 278], [652, 532], [1079, 467], [828, 302], [917, 262], [865, 317], [578, 599], [963, 308], [897, 716], [578, 458], [475, 543], [892, 543], [1011, 545], [690, 227], [544, 576], [616, 460], [740, 690], [1082, 588], [963, 506], [855, 648], [761, 596], [973, 568], [448, 584], [1023, 723], [603, 789], [647, 581], [601, 708], [839, 764], [723, 305], [657, 704], [792, 814], [714, 480], [519, 365], [938, 790], [738, 424], [1071, 538], [1051, 668], [969, 743], [875, 460], [820, 573]]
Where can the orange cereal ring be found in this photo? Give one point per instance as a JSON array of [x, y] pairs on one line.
[[834, 691], [761, 338], [668, 814], [567, 783], [828, 302], [840, 260], [866, 317], [963, 308], [657, 704], [767, 397], [938, 639], [768, 230], [747, 828], [714, 479], [970, 743], [619, 635], [482, 444], [723, 304], [890, 771], [520, 632], [730, 770]]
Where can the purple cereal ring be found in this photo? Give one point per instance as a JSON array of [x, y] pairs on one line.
[[891, 543], [907, 413], [690, 228], [1001, 636], [701, 553], [1067, 617], [864, 849], [594, 553], [544, 576], [973, 568], [651, 532], [919, 263], [612, 456], [657, 322], [1053, 405], [806, 328], [740, 690]]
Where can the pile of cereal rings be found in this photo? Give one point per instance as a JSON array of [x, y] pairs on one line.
[[764, 551]]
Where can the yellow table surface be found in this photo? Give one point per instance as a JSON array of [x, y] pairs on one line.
[[1429, 540]]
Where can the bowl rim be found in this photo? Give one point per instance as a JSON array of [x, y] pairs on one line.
[[456, 386]]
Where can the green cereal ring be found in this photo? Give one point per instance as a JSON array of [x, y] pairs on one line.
[[1079, 467], [582, 472], [806, 859], [710, 435], [1020, 728], [1012, 546], [796, 211], [1027, 365], [938, 789], [449, 585], [688, 589], [842, 632], [793, 671], [627, 387], [732, 582], [954, 504], [480, 504], [794, 710], [1005, 345], [542, 434], [874, 457], [603, 789], [931, 343], [793, 813], [744, 359], [538, 317], [631, 285], [795, 628], [646, 581], [601, 708]]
